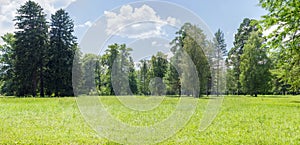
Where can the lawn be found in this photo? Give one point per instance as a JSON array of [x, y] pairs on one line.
[[241, 120]]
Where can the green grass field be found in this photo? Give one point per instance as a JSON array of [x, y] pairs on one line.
[[241, 120]]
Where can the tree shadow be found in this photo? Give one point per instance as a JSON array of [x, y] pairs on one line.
[[295, 101]]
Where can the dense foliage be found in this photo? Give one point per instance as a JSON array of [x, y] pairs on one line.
[[42, 58], [283, 22], [37, 62]]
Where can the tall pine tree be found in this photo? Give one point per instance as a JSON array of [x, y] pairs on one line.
[[220, 51], [61, 54], [31, 49]]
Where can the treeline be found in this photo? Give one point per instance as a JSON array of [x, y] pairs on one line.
[[42, 59], [115, 73], [37, 59], [258, 63]]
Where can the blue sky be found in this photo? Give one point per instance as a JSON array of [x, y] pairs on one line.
[[224, 14]]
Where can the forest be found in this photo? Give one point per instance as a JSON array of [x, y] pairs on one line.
[[37, 59]]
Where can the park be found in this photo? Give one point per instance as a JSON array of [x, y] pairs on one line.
[[191, 87]]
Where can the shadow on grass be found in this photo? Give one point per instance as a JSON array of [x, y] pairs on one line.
[[295, 101], [203, 97], [275, 96], [15, 97], [260, 96]]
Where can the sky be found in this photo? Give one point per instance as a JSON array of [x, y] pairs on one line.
[[140, 23]]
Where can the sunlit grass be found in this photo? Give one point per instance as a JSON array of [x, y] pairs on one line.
[[241, 120]]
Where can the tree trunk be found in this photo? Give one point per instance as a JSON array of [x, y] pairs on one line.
[[42, 94], [179, 90], [34, 84]]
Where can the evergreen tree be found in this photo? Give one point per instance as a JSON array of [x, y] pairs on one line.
[[31, 49], [220, 51], [61, 54]]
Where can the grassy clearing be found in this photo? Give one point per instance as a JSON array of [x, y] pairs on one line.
[[242, 120]]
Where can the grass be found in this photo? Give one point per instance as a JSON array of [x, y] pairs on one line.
[[241, 120]]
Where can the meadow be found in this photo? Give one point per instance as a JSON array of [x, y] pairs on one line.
[[241, 120]]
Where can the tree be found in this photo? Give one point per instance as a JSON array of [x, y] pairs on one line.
[[234, 56], [77, 72], [116, 63], [108, 59], [284, 41], [31, 48], [133, 77], [255, 74], [194, 43], [144, 78], [121, 71], [172, 77], [89, 65], [191, 40], [98, 73], [158, 70], [61, 54], [220, 43], [221, 51], [7, 55]]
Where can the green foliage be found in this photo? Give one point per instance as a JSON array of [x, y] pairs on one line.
[[193, 41], [284, 40], [255, 65], [159, 65], [31, 47], [61, 55], [36, 62], [7, 61], [133, 83], [234, 56], [218, 67], [89, 75], [220, 43], [118, 71], [144, 77], [77, 72], [172, 78]]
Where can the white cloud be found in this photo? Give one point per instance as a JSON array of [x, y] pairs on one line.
[[86, 24], [154, 43], [160, 44], [142, 22], [8, 9]]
